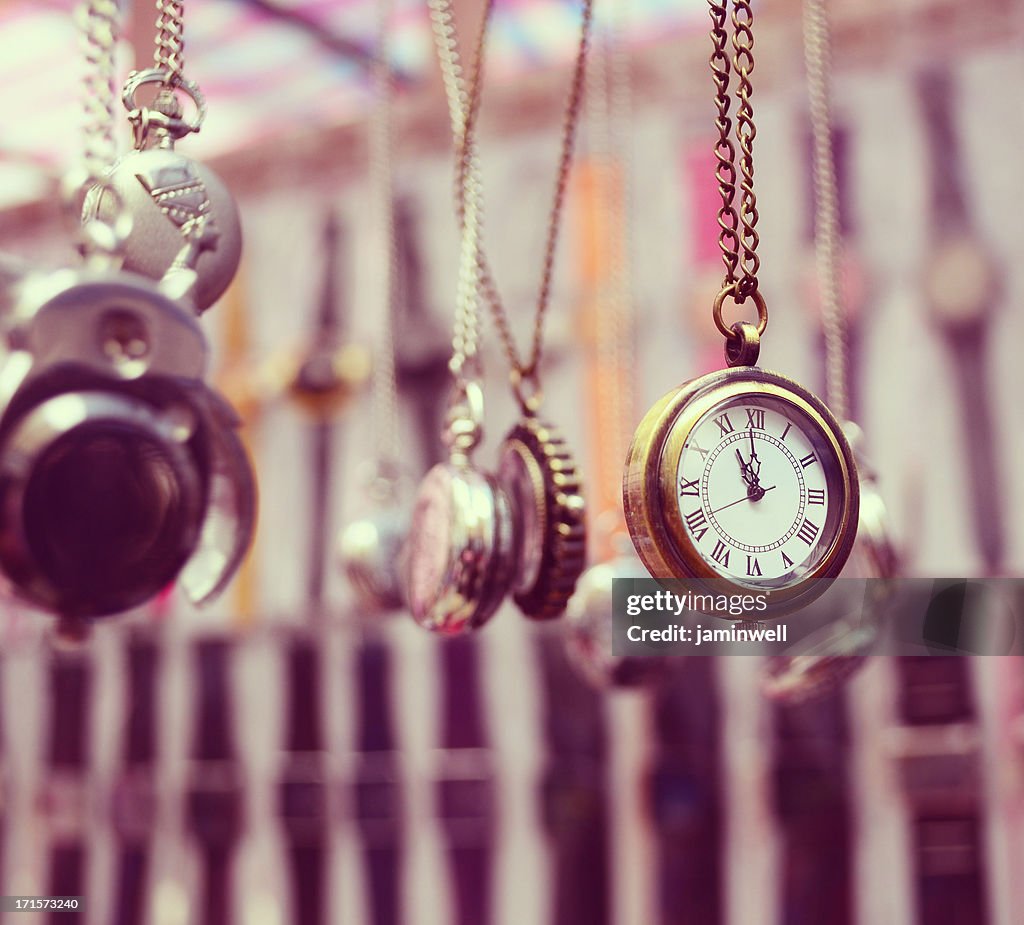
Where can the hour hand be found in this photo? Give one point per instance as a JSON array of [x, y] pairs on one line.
[[750, 476]]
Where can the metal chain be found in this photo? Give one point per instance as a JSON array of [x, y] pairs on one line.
[[99, 24], [463, 107], [169, 44], [827, 242], [385, 390], [608, 96], [738, 238], [466, 328]]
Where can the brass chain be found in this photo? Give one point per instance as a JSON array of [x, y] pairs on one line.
[[464, 106], [738, 236]]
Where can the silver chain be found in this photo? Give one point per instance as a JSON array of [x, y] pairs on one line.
[[169, 44], [827, 243], [99, 24], [466, 331], [381, 167]]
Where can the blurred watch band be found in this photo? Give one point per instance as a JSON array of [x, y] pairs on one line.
[[574, 790], [377, 784], [66, 789], [812, 803], [465, 785], [214, 803], [684, 796], [302, 788], [135, 793], [937, 749]]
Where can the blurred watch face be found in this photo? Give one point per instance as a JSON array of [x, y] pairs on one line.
[[960, 280], [110, 514]]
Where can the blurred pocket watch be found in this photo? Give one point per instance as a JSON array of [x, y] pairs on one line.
[[841, 649], [536, 468], [460, 554], [589, 627]]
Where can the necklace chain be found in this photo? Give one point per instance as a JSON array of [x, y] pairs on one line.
[[169, 43], [466, 329], [385, 398], [738, 236], [817, 54], [464, 107]]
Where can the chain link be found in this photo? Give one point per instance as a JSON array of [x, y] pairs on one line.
[[99, 23], [385, 391], [827, 242], [738, 238], [466, 328], [463, 107], [101, 240], [169, 44]]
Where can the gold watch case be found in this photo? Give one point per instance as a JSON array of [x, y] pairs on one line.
[[539, 475], [651, 485]]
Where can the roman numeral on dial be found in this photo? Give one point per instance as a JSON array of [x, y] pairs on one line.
[[809, 460], [688, 488], [697, 523], [786, 561], [724, 425], [752, 566], [815, 495], [755, 418], [789, 424], [808, 532], [721, 554], [699, 449]]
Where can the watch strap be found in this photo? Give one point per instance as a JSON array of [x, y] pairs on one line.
[[574, 790], [967, 344], [214, 805], [939, 754], [65, 789], [465, 787], [377, 787], [67, 878], [684, 796], [302, 789], [935, 90], [132, 878], [812, 802]]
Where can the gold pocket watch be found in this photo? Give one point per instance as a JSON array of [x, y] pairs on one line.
[[744, 477], [741, 480]]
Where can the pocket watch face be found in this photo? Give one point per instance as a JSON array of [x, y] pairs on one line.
[[756, 490], [745, 478]]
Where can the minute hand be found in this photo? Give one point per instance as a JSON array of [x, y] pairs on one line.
[[744, 498]]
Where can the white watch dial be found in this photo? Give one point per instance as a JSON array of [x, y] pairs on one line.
[[759, 491]]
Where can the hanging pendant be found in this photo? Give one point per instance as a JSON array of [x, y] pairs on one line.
[[844, 648], [460, 554], [370, 547], [537, 471], [182, 213], [742, 481], [589, 629]]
